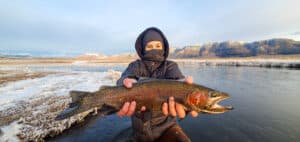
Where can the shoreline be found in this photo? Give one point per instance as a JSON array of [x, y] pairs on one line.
[[278, 61], [7, 76]]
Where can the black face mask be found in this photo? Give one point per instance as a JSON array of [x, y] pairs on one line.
[[153, 59], [154, 55]]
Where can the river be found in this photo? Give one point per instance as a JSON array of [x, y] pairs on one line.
[[266, 103]]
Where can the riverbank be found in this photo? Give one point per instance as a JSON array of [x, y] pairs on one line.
[[31, 99], [16, 75], [288, 61]]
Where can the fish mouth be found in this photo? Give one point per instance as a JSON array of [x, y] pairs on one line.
[[216, 108]]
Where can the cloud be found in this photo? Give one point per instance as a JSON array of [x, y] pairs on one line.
[[108, 27]]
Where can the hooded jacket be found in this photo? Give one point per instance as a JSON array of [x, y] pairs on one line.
[[137, 69], [149, 126]]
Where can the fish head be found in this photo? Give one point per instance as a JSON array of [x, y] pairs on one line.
[[207, 102]]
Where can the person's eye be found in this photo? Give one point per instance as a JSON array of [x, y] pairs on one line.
[[148, 48]]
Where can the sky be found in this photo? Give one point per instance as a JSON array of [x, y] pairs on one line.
[[73, 27]]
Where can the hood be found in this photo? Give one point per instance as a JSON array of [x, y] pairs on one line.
[[139, 42]]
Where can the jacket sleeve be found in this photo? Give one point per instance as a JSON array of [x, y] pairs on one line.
[[130, 72], [173, 71]]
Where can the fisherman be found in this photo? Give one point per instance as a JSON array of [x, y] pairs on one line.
[[153, 49]]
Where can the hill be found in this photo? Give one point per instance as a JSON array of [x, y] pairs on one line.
[[239, 49]]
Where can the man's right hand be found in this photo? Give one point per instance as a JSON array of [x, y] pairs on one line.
[[129, 107], [127, 82]]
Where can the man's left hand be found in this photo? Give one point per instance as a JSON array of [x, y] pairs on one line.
[[172, 108]]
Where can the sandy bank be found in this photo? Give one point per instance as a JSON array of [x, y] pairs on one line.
[[289, 61], [15, 75]]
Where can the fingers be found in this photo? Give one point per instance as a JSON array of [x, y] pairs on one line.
[[194, 113], [172, 109], [165, 109], [175, 109], [127, 109], [123, 110], [127, 82], [189, 80], [131, 108], [143, 108], [180, 110]]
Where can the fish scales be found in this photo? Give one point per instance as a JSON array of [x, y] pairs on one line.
[[152, 94]]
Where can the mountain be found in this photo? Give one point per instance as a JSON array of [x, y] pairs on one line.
[[218, 49], [185, 52], [239, 49]]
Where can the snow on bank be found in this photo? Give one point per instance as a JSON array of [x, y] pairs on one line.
[[28, 107], [276, 63]]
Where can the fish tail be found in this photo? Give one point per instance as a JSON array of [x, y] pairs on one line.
[[74, 106]]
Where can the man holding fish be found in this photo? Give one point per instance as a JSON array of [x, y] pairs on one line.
[[153, 49], [160, 97]]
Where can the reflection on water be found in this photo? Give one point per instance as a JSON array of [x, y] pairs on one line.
[[265, 101]]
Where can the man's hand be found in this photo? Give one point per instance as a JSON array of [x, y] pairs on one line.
[[174, 108], [189, 80], [129, 107], [127, 82]]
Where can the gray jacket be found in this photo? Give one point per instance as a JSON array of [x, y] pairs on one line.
[[149, 126]]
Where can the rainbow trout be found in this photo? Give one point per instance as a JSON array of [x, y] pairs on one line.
[[152, 94]]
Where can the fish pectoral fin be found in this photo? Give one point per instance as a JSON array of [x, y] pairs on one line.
[[66, 113]]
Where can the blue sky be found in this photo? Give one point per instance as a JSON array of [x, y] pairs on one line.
[[71, 27]]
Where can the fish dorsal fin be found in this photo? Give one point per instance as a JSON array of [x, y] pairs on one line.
[[141, 78], [144, 80], [104, 87]]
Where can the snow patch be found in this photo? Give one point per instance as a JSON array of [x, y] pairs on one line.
[[28, 107]]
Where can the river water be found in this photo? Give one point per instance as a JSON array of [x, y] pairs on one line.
[[266, 103]]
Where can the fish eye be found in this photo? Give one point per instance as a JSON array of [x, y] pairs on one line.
[[213, 94]]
